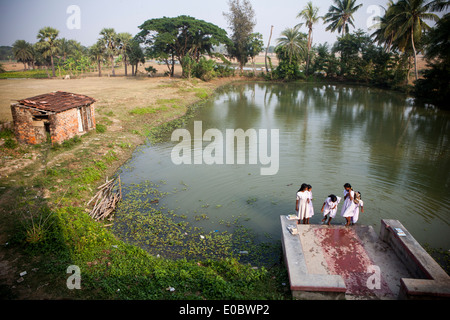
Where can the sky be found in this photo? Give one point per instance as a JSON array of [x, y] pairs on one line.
[[82, 20]]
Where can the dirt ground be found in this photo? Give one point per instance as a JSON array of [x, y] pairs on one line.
[[115, 98], [133, 90]]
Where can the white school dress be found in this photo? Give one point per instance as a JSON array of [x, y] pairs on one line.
[[356, 214], [310, 210], [353, 211], [331, 207], [302, 197], [347, 201]]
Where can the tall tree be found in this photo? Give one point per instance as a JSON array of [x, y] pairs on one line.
[[267, 49], [171, 39], [97, 53], [255, 46], [383, 34], [434, 87], [23, 52], [124, 42], [241, 21], [136, 56], [109, 37], [407, 21], [48, 44], [340, 15], [293, 43], [310, 14]]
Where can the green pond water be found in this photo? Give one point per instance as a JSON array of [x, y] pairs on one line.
[[394, 152]]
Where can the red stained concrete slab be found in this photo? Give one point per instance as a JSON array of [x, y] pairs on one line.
[[345, 254], [368, 266]]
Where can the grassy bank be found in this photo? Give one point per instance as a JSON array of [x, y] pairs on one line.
[[47, 228], [34, 74]]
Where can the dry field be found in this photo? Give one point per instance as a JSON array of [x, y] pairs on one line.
[[128, 106]]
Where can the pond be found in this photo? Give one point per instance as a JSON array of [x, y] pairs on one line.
[[392, 151]]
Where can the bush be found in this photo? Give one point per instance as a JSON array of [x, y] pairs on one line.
[[204, 69], [152, 71], [224, 71]]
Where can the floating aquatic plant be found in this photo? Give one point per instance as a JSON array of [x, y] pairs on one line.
[[141, 220]]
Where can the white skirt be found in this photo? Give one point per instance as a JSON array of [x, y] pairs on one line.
[[310, 210], [350, 210], [302, 209]]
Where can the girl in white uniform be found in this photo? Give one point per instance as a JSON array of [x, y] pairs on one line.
[[301, 204], [329, 207], [310, 209], [348, 197], [351, 214]]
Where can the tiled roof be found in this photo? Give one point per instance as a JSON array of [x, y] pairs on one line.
[[57, 101]]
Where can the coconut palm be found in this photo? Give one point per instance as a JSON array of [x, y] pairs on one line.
[[23, 52], [97, 53], [340, 15], [293, 42], [407, 21], [311, 16], [439, 5], [109, 38], [384, 35], [48, 44], [124, 42]]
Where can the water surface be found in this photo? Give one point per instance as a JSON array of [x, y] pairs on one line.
[[392, 151]]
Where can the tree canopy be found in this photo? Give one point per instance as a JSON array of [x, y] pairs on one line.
[[241, 20], [340, 15], [171, 39]]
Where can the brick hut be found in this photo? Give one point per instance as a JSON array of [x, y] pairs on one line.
[[61, 115]]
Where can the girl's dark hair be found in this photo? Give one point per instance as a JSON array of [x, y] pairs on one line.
[[332, 197], [309, 186], [347, 185], [302, 187]]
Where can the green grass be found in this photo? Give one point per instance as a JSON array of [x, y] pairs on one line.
[[100, 128], [143, 110], [37, 74]]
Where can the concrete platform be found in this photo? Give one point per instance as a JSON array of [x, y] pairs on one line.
[[338, 262]]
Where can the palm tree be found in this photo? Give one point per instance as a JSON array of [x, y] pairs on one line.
[[124, 42], [340, 15], [109, 38], [384, 35], [97, 53], [310, 15], [407, 22], [48, 44], [23, 52], [293, 42], [68, 48]]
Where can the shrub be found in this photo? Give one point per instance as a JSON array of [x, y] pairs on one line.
[[151, 70], [204, 69], [224, 71]]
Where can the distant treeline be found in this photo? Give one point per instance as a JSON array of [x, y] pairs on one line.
[[6, 53]]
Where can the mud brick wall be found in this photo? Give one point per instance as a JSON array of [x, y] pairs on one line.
[[63, 125], [92, 116], [25, 128]]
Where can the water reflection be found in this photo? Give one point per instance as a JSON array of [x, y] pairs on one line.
[[395, 153]]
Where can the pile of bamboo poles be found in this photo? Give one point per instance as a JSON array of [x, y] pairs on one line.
[[106, 200]]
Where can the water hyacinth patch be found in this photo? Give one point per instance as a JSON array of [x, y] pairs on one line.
[[142, 221]]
